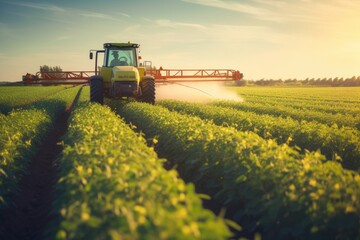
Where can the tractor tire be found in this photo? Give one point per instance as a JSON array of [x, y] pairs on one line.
[[96, 89], [147, 86]]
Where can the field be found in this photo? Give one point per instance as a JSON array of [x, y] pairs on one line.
[[281, 163]]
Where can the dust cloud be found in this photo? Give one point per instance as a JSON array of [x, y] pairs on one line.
[[195, 92]]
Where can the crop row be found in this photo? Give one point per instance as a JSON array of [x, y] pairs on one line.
[[113, 186], [305, 99], [12, 97], [265, 186], [318, 95], [306, 106], [332, 141], [22, 131], [289, 97], [84, 97], [21, 134], [299, 114]]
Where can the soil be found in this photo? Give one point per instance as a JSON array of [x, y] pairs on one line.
[[30, 211]]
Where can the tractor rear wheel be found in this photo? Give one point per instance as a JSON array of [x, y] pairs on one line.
[[96, 89], [147, 86]]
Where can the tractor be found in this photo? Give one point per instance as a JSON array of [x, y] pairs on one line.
[[121, 76]]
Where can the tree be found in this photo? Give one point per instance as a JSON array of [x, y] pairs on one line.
[[46, 68], [53, 72]]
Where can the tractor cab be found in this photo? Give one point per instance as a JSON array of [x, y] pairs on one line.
[[121, 54], [121, 76]]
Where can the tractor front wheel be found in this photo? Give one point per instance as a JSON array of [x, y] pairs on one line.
[[96, 89], [147, 85]]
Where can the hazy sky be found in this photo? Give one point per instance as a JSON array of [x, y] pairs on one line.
[[261, 38]]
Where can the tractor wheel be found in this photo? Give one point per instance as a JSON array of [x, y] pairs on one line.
[[96, 89], [147, 86]]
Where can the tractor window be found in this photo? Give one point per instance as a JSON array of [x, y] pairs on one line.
[[121, 57]]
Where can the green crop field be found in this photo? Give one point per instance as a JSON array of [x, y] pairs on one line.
[[282, 163]]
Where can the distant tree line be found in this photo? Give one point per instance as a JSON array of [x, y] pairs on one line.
[[46, 68], [331, 82], [53, 72]]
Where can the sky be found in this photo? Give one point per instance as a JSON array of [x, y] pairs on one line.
[[268, 39]]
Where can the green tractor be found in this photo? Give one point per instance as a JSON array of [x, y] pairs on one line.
[[121, 75]]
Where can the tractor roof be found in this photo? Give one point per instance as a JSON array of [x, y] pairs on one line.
[[134, 45]]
